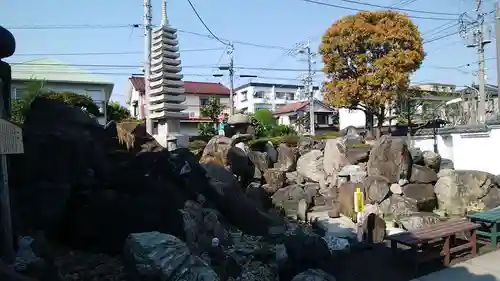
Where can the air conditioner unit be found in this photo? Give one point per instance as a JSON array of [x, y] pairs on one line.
[[191, 114]]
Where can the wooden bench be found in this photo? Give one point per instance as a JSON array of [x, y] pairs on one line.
[[489, 221], [427, 243]]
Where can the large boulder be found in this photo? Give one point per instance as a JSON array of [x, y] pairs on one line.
[[423, 174], [157, 257], [287, 158], [231, 200], [417, 220], [310, 166], [398, 205], [346, 199], [217, 147], [314, 275], [461, 191], [334, 158], [376, 189], [423, 194], [275, 179], [432, 160], [390, 158]]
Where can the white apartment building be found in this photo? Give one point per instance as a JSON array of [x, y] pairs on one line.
[[197, 95], [256, 95]]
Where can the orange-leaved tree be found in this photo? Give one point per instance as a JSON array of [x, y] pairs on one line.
[[368, 60]]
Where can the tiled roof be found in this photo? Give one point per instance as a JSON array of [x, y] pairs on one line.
[[292, 107], [195, 88]]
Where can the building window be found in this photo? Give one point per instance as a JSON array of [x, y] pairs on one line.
[[204, 101], [155, 128], [290, 96], [321, 119], [244, 95], [259, 94], [280, 95], [135, 105]]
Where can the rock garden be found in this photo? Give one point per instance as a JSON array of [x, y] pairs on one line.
[[108, 203]]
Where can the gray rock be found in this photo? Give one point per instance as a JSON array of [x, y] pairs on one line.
[[355, 172], [390, 158], [423, 194], [334, 159], [271, 152], [417, 220], [422, 174], [275, 179], [398, 205], [432, 160], [376, 189], [396, 189], [157, 256], [459, 191], [417, 155], [310, 166], [239, 118], [293, 178], [287, 158], [302, 209], [314, 275]]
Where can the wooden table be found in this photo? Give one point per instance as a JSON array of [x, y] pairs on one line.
[[489, 221], [442, 236]]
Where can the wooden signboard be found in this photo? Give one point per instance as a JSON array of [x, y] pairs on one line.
[[11, 138]]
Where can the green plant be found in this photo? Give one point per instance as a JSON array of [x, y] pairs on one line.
[[212, 110], [206, 129], [116, 112], [282, 130]]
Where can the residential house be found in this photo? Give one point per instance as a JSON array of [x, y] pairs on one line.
[[60, 77], [255, 95], [197, 96], [325, 117]]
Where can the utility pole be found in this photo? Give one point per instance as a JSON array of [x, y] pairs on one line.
[[478, 42], [497, 33], [305, 49], [147, 63], [310, 88], [230, 50]]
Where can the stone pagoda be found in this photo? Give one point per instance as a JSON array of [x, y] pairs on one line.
[[166, 88]]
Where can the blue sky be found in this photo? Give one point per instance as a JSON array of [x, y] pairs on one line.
[[266, 22]]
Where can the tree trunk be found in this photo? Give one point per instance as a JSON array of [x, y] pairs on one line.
[[380, 123], [369, 124]]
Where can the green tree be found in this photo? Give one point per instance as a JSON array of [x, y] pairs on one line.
[[212, 110], [116, 112], [264, 121], [368, 60]]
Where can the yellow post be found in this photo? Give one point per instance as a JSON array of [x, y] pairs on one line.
[[358, 201]]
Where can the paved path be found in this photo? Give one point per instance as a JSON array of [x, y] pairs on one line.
[[482, 268]]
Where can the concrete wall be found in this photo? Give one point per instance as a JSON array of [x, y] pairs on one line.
[[468, 151]]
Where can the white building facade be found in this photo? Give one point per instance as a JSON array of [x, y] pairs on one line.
[[58, 76], [255, 95], [197, 95]]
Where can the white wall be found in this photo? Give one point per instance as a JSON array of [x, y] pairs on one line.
[[355, 118], [94, 91], [468, 151]]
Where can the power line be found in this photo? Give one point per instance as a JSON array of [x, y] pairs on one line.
[[86, 26], [398, 9], [204, 24], [361, 10], [138, 66], [110, 53]]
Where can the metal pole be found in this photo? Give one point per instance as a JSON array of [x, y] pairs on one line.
[[7, 252], [480, 44], [147, 64], [310, 89], [497, 33], [231, 78]]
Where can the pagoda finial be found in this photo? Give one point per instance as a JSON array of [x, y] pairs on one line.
[[164, 20]]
